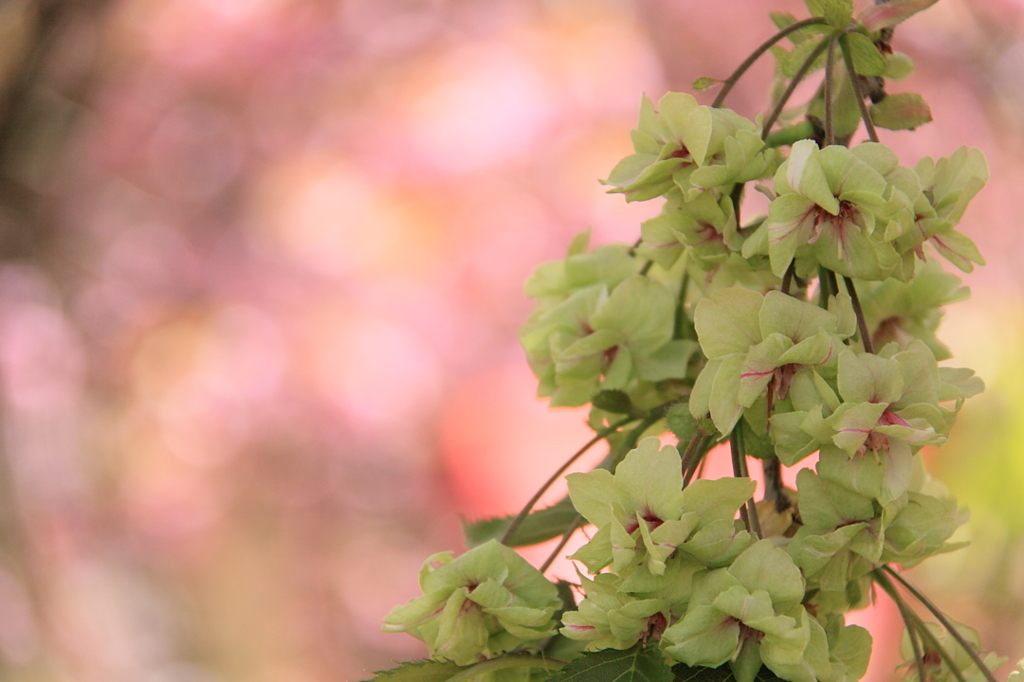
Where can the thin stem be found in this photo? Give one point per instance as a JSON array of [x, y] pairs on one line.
[[636, 245], [862, 324], [737, 197], [577, 522], [631, 439], [691, 451], [601, 435], [830, 57], [698, 460], [787, 279], [677, 323], [730, 82], [748, 512], [937, 647], [946, 623], [799, 76], [823, 287], [858, 94], [908, 620], [703, 464], [920, 625], [774, 490]]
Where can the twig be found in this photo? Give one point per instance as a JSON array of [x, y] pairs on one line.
[[692, 467], [577, 522], [830, 56], [946, 623], [601, 435], [908, 621], [862, 324], [748, 512], [677, 323], [857, 93], [787, 279], [728, 83], [797, 77]]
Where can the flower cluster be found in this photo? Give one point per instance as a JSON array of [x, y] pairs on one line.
[[682, 571], [722, 331], [600, 325], [486, 602], [859, 213]]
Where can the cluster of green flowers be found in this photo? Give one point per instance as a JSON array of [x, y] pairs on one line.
[[486, 602], [683, 571], [748, 328]]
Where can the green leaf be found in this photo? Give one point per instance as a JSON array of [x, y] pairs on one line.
[[614, 401], [867, 59], [704, 82], [815, 7], [903, 111], [681, 423], [891, 13], [611, 665], [539, 526], [900, 66], [684, 673], [784, 19], [795, 59], [419, 671], [838, 13]]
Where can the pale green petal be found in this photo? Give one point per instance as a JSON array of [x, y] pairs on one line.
[[724, 403], [727, 321], [805, 175], [641, 310], [649, 480], [705, 636], [717, 500], [825, 505], [593, 494], [813, 350], [744, 605], [700, 397], [763, 566], [869, 378], [793, 318], [759, 366]]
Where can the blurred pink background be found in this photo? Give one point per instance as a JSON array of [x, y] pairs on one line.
[[261, 265]]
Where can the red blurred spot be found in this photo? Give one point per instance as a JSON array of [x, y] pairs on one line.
[[500, 443]]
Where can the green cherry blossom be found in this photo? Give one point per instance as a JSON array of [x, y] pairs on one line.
[[555, 281], [947, 188], [486, 602], [901, 312], [833, 209], [760, 345], [705, 225], [599, 339], [749, 614], [641, 509], [609, 618], [690, 146]]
